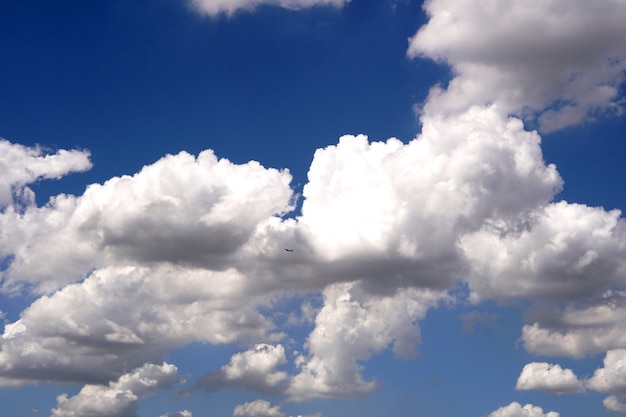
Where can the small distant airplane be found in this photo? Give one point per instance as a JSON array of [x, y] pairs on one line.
[[288, 250]]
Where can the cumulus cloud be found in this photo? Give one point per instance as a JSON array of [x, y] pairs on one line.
[[613, 403], [562, 246], [515, 409], [181, 209], [126, 316], [258, 408], [587, 327], [548, 377], [119, 398], [612, 378], [255, 369], [22, 165], [558, 59], [351, 327], [229, 7]]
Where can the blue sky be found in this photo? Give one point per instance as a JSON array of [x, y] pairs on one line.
[[158, 157]]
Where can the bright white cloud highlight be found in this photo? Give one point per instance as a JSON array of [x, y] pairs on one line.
[[516, 410], [561, 59], [550, 378], [119, 398]]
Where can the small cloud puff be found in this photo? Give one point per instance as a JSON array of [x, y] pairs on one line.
[[515, 409], [547, 377]]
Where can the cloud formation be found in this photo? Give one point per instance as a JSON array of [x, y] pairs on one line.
[[549, 378], [258, 408], [229, 7], [255, 369], [558, 60], [612, 377], [119, 398], [515, 409], [21, 165]]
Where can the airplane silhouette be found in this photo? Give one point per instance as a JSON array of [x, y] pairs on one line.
[[289, 250]]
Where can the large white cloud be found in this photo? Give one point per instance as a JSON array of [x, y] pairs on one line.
[[119, 398], [21, 165], [228, 7], [564, 59], [181, 209], [515, 409], [548, 377], [126, 316]]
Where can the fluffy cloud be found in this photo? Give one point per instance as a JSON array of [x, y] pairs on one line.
[[126, 316], [561, 59], [516, 410], [578, 329], [255, 369], [399, 210], [119, 398], [21, 165], [554, 255], [351, 327], [613, 403], [547, 377], [257, 408], [611, 378], [229, 7], [181, 209]]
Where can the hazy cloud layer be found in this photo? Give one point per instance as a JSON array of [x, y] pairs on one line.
[[229, 7], [548, 377], [559, 60]]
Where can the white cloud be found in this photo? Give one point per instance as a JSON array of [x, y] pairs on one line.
[[21, 165], [561, 59], [255, 369], [612, 378], [516, 410], [578, 329], [229, 7], [351, 327], [181, 209], [613, 403], [554, 255], [120, 398], [126, 316], [547, 377], [257, 408]]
